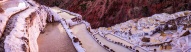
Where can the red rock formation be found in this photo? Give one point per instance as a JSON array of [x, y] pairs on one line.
[[1, 10], [109, 12]]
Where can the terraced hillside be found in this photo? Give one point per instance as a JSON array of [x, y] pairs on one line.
[[26, 26], [106, 13]]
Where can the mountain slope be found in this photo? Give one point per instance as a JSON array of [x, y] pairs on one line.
[[105, 13]]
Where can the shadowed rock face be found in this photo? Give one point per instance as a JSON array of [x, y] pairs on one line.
[[105, 13], [1, 10]]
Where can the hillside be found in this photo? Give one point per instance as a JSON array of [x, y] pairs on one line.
[[29, 26]]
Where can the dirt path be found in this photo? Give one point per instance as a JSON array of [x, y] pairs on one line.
[[55, 39]]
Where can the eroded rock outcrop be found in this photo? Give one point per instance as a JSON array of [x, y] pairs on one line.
[[8, 9], [23, 26], [21, 23]]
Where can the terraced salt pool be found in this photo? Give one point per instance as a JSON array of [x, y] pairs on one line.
[[113, 46], [55, 39], [87, 41], [123, 41]]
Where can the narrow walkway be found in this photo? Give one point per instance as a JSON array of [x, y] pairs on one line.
[[55, 39]]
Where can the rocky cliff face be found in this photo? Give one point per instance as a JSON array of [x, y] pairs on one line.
[[109, 12], [21, 23]]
